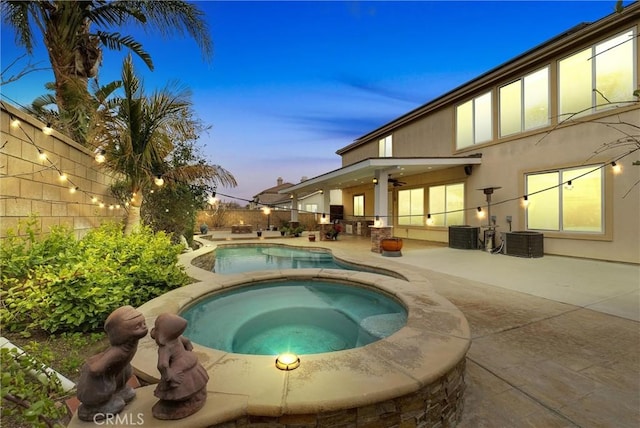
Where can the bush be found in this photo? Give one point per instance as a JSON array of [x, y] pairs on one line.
[[58, 283]]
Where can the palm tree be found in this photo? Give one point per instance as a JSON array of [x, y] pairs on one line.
[[137, 133], [75, 52]]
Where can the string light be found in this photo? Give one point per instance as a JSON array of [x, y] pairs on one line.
[[159, 180], [73, 189], [100, 156], [15, 123]]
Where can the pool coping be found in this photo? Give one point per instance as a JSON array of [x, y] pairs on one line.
[[435, 339]]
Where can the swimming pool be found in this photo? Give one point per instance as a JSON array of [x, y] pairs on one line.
[[239, 258], [300, 316]]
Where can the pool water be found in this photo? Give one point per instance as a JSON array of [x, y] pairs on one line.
[[229, 260], [302, 316]]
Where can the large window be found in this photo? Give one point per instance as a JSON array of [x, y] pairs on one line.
[[597, 77], [411, 207], [385, 147], [446, 205], [569, 200], [358, 205], [474, 121], [524, 104]]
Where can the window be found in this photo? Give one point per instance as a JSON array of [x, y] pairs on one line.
[[311, 208], [385, 147], [446, 205], [411, 207], [556, 205], [474, 121], [358, 205], [598, 76], [524, 104]]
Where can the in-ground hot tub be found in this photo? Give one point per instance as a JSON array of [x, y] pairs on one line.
[[414, 376], [293, 316]]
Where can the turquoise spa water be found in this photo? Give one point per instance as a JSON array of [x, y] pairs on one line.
[[304, 317], [230, 260]]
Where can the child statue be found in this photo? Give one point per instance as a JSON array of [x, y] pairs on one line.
[[183, 381], [102, 387]]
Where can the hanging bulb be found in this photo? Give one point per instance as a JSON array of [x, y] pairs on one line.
[[480, 213], [47, 130], [429, 220], [525, 201], [14, 122], [616, 168], [42, 155], [568, 185], [100, 156], [73, 189], [94, 199], [159, 180], [63, 176]]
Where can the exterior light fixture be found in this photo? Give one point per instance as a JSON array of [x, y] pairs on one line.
[[158, 180], [100, 156], [616, 167], [287, 361], [375, 181], [47, 130], [291, 196]]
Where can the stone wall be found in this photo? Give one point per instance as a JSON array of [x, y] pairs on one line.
[[436, 405], [32, 185]]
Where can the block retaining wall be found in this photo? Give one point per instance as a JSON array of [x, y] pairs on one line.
[[29, 185]]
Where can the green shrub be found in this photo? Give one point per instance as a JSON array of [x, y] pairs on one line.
[[25, 398], [58, 283]]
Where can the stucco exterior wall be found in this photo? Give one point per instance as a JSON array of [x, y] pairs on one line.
[[29, 185]]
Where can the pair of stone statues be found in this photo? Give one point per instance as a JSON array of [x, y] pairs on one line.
[[103, 388]]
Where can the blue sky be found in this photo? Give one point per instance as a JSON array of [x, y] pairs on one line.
[[291, 82]]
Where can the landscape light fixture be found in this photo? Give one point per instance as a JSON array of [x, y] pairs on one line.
[[287, 361]]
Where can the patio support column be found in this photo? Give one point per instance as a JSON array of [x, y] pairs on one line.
[[326, 202], [380, 203], [294, 208]]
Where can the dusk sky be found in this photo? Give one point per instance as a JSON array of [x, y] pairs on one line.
[[292, 82]]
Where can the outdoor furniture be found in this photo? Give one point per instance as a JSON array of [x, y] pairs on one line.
[[241, 228]]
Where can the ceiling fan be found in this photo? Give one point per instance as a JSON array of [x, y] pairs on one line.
[[395, 182]]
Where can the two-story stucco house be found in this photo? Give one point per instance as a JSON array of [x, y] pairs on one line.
[[554, 134]]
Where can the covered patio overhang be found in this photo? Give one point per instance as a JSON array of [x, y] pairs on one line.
[[368, 170]]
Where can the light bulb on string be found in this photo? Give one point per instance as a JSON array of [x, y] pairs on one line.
[[47, 130], [100, 156], [616, 168]]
